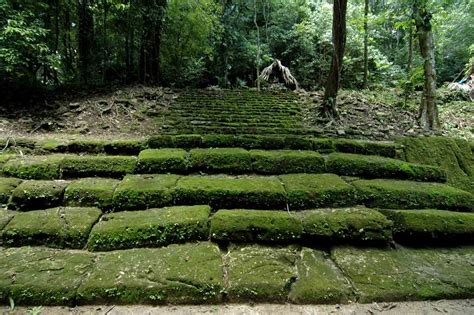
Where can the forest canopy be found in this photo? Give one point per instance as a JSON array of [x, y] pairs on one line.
[[189, 43]]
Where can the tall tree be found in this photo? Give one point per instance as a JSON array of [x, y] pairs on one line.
[[428, 113], [339, 44], [85, 38], [366, 43], [152, 12]]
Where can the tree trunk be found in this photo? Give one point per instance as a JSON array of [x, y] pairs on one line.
[[366, 44], [258, 45], [428, 114], [85, 37], [104, 39], [329, 108]]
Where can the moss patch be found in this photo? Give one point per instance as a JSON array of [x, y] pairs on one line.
[[41, 276], [452, 155], [100, 165], [4, 157], [386, 149], [317, 190], [178, 274], [379, 167], [34, 167], [7, 185], [39, 194], [5, 217], [57, 227], [231, 192], [394, 194], [319, 280], [150, 228], [255, 226], [286, 161], [349, 225], [431, 226], [260, 273], [124, 147], [408, 274], [232, 160], [162, 161], [144, 191], [91, 192]]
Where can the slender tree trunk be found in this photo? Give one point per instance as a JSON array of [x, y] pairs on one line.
[[104, 39], [258, 44], [366, 44], [329, 108], [428, 113], [85, 38], [408, 89]]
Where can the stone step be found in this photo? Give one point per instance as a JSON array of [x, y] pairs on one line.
[[291, 191], [78, 228], [197, 273]]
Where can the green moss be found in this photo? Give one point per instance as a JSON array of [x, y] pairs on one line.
[[323, 145], [124, 147], [428, 226], [4, 157], [150, 228], [90, 192], [144, 191], [452, 155], [86, 146], [34, 167], [41, 276], [379, 167], [5, 217], [408, 274], [99, 165], [218, 141], [161, 141], [232, 160], [286, 161], [395, 194], [347, 225], [7, 185], [317, 190], [255, 226], [39, 194], [319, 280], [260, 273], [57, 227], [298, 142], [52, 145], [231, 192], [187, 141], [178, 274], [162, 161], [386, 149]]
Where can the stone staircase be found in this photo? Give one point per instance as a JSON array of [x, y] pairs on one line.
[[216, 218]]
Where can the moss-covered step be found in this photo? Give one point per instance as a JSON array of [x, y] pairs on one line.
[[162, 161], [255, 226], [396, 194], [287, 161], [57, 227], [452, 155], [386, 149], [231, 160], [99, 165], [178, 274], [41, 276], [7, 185], [307, 191], [224, 192], [150, 228], [260, 273], [319, 281], [91, 192], [407, 274], [345, 225], [37, 194], [430, 226], [137, 192], [5, 157], [369, 166], [5, 217], [34, 167]]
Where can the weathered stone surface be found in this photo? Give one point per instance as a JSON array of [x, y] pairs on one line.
[[286, 162], [57, 227], [90, 192], [319, 280], [231, 160], [37, 194], [34, 167], [178, 274], [407, 273], [7, 185], [150, 228], [41, 276], [162, 161], [260, 273], [98, 165]]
